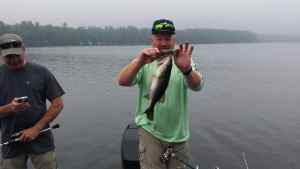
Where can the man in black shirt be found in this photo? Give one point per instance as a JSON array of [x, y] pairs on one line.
[[20, 78]]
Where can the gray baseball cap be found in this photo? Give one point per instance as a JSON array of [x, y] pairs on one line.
[[10, 44]]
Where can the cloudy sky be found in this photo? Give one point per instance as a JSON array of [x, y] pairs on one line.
[[261, 16]]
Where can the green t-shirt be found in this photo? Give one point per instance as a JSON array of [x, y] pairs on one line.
[[171, 118]]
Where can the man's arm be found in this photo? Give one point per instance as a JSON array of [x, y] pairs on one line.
[[53, 111], [194, 80], [183, 60], [5, 110], [128, 73]]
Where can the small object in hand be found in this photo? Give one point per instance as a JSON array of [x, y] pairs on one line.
[[23, 99]]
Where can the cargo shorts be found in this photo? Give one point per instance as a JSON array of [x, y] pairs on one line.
[[151, 148], [39, 161]]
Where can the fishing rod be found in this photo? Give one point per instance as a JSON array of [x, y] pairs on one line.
[[188, 164], [16, 136], [171, 153], [245, 160]]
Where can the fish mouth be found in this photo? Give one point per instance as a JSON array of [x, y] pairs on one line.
[[168, 51], [165, 53]]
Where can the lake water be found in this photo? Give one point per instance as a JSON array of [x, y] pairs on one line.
[[250, 103]]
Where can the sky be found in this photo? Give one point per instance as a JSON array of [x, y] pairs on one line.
[[260, 16]]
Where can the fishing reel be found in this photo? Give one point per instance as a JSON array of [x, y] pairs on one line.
[[170, 153], [166, 155]]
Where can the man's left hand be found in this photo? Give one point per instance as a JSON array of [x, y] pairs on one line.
[[183, 57], [29, 134]]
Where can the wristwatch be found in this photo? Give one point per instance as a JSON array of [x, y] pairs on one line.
[[188, 72]]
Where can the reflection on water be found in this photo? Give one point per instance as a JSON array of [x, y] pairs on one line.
[[248, 104]]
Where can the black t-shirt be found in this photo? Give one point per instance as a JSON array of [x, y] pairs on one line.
[[39, 84]]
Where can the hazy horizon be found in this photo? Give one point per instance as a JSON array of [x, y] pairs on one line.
[[267, 17]]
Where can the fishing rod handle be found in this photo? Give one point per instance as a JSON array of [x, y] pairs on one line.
[[55, 126], [16, 138]]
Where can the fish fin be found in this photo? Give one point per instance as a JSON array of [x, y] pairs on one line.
[[149, 112]]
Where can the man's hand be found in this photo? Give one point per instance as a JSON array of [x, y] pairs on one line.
[[148, 55], [183, 57], [16, 106], [29, 134]]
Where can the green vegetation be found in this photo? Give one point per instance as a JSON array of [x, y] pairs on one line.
[[35, 34]]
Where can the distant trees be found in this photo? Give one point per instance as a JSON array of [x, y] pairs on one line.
[[216, 36], [35, 34]]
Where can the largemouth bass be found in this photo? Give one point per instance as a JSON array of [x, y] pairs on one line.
[[160, 82]]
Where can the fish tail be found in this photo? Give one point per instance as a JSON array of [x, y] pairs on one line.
[[149, 112]]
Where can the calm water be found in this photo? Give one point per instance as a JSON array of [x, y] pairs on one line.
[[250, 104]]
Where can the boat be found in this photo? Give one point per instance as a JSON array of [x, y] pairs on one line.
[[129, 147]]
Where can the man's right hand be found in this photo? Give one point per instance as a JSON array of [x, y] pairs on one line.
[[148, 55], [16, 106], [128, 73]]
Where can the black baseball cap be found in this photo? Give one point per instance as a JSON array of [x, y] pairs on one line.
[[163, 26]]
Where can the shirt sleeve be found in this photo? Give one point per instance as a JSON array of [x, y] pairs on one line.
[[53, 88], [138, 77]]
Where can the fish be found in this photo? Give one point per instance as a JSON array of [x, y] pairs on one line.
[[159, 83], [165, 53]]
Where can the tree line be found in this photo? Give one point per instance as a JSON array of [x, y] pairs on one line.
[[35, 34]]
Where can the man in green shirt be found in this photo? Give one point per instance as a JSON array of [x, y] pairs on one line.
[[170, 124]]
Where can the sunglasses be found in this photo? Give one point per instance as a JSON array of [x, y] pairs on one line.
[[15, 44], [10, 56]]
